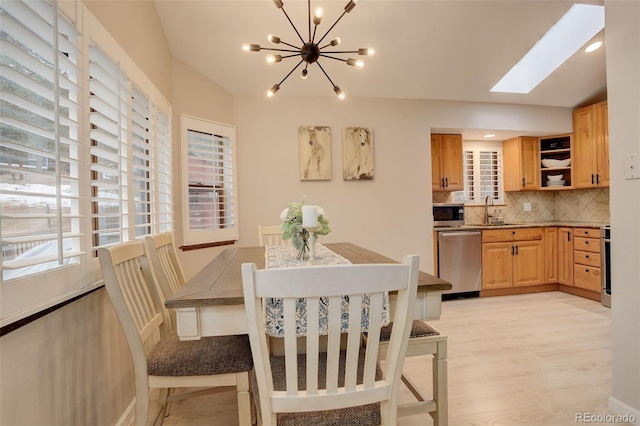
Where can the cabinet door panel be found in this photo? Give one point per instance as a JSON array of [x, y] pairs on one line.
[[436, 163], [452, 162], [565, 256], [530, 162], [551, 255], [603, 144], [497, 265], [528, 267], [584, 169]]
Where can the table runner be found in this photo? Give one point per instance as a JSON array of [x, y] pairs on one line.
[[285, 256]]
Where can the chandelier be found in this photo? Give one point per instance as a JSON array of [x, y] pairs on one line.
[[311, 50]]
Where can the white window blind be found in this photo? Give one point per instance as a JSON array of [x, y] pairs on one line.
[[108, 100], [85, 154], [482, 162], [40, 158], [210, 179]]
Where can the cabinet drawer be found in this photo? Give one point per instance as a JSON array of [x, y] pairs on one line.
[[587, 277], [586, 244], [586, 232], [587, 258], [513, 234]]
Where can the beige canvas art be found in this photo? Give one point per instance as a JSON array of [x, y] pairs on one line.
[[315, 152], [357, 153]]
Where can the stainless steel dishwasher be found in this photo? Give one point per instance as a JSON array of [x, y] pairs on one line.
[[460, 262]]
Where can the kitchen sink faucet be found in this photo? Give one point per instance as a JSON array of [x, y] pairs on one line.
[[488, 201]]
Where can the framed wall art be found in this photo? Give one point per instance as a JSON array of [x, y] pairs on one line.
[[315, 152], [357, 153]]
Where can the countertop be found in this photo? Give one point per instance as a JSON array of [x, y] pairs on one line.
[[522, 225]]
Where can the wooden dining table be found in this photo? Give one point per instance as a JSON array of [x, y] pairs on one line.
[[212, 304]]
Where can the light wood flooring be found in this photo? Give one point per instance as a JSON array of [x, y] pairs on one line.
[[533, 359]]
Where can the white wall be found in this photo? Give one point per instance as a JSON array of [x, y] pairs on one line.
[[623, 82], [390, 214]]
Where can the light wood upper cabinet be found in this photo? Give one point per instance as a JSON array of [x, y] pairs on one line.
[[446, 163], [521, 163], [591, 146]]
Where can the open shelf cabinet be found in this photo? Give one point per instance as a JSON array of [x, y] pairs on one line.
[[557, 147]]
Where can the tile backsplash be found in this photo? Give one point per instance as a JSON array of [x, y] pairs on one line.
[[578, 205]]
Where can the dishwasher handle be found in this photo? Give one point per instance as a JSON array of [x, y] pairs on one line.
[[459, 234]]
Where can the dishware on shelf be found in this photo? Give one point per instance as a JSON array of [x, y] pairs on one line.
[[554, 178], [552, 162], [556, 183]]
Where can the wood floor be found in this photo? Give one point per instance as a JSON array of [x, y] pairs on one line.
[[533, 359]]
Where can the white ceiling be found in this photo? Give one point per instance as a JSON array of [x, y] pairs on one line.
[[425, 49]]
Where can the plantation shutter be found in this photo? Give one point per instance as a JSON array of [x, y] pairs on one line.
[[482, 167], [162, 173], [40, 158], [141, 161], [108, 101]]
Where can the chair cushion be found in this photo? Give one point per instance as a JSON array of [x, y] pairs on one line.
[[419, 328], [207, 356], [364, 415]]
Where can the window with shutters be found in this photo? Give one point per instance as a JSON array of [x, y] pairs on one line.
[[209, 183], [85, 154], [482, 163]]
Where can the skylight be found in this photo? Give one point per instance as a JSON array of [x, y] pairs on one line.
[[579, 25]]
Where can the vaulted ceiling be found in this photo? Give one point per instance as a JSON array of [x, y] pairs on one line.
[[425, 49]]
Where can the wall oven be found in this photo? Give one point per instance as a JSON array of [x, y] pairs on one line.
[[605, 256]]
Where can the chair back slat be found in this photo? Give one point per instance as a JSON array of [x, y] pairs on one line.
[[271, 235], [162, 254], [135, 292], [346, 374]]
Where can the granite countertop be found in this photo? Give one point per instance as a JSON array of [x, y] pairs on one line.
[[522, 225]]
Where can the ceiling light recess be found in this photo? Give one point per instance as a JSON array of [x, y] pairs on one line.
[[310, 51], [576, 27]]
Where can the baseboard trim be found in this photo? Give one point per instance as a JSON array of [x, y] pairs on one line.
[[127, 418], [622, 409]]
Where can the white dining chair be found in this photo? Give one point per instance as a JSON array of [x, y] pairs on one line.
[[333, 385], [271, 235], [424, 340], [160, 359]]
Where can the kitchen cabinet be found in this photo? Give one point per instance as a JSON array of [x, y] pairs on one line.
[[586, 257], [551, 255], [555, 149], [512, 258], [446, 163], [591, 146], [521, 163], [565, 256]]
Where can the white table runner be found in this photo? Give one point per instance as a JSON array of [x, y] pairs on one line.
[[285, 256]]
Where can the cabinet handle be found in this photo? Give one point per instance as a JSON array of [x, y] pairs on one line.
[[512, 250], [586, 270], [586, 256], [442, 182], [516, 250], [592, 179], [586, 242], [446, 182], [523, 182], [597, 178], [568, 236]]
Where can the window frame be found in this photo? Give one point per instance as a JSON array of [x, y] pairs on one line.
[[476, 147], [195, 239]]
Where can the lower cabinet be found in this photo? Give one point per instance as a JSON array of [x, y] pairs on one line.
[[551, 258], [565, 256], [586, 258], [516, 262]]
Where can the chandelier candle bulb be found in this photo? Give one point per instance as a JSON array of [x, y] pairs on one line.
[[309, 216]]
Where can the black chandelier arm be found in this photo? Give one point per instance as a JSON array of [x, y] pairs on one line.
[[280, 50], [309, 19], [290, 45], [325, 73], [330, 28], [291, 22], [324, 55], [290, 72], [341, 51]]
